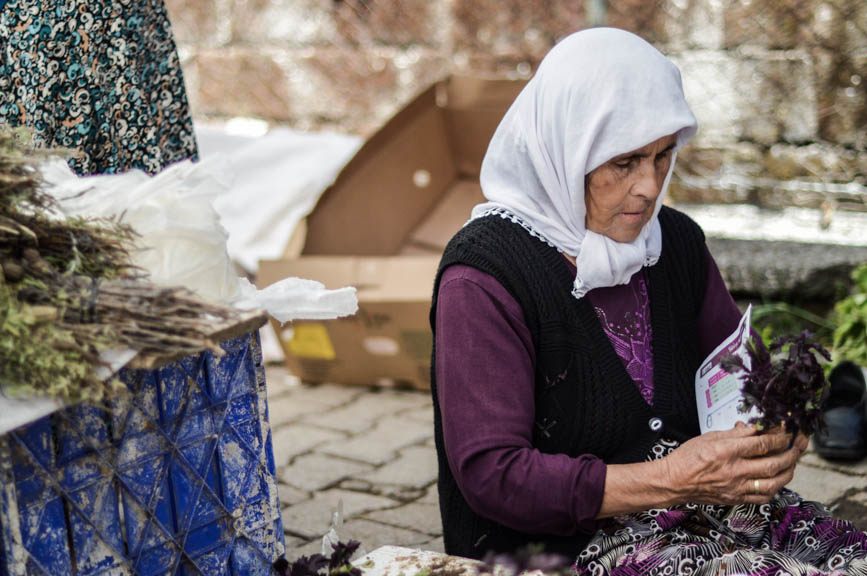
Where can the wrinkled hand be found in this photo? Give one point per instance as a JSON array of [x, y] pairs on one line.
[[722, 467]]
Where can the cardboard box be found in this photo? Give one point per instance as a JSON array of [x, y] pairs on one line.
[[382, 226]]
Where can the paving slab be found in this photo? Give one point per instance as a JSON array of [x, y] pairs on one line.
[[291, 440], [280, 381], [822, 485], [289, 408], [312, 519], [358, 485], [419, 517], [318, 472], [424, 414], [432, 496], [372, 534], [853, 509], [364, 411], [415, 466], [303, 401], [858, 467], [405, 494], [435, 545], [291, 544], [380, 443], [290, 495], [330, 395], [306, 548]]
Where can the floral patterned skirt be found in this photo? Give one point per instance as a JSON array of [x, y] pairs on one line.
[[100, 79], [789, 535]]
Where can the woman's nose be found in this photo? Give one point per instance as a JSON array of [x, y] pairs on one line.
[[647, 183]]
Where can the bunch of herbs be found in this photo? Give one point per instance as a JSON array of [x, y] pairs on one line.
[[785, 381], [68, 292]]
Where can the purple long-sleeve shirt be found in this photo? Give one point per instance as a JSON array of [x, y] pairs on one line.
[[485, 369]]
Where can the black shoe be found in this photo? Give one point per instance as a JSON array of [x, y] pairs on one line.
[[844, 436]]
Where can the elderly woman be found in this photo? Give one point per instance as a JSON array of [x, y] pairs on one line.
[[570, 315]]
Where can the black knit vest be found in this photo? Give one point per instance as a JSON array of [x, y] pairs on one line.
[[586, 402]]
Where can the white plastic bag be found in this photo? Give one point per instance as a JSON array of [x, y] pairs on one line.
[[181, 240]]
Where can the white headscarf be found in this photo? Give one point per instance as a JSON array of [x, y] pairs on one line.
[[597, 94]]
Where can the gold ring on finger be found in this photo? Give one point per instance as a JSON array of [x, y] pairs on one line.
[[757, 487]]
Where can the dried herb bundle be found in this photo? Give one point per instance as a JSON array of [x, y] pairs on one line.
[[68, 291], [786, 382]]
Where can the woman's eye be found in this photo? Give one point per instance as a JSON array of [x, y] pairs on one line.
[[623, 164], [664, 156]]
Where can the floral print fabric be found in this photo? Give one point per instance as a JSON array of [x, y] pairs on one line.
[[787, 536], [624, 313], [100, 78]]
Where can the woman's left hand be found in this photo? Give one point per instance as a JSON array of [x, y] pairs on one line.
[[801, 442], [714, 468], [735, 466]]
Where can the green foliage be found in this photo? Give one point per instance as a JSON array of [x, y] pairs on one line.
[[39, 355], [775, 319], [850, 336]]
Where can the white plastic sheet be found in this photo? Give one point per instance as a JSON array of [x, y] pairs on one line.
[[299, 298], [182, 241], [278, 178], [21, 411]]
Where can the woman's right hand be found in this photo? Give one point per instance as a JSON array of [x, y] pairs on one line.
[[735, 466]]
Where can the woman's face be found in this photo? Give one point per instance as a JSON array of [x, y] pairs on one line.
[[620, 195]]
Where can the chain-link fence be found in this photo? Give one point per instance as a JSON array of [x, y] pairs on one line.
[[778, 86]]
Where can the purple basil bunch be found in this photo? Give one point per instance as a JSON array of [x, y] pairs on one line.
[[318, 565], [786, 382]]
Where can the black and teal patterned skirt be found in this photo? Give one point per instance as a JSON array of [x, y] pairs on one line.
[[99, 78]]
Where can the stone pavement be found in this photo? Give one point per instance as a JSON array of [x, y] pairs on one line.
[[371, 453]]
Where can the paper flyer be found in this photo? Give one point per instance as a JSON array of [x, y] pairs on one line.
[[718, 393]]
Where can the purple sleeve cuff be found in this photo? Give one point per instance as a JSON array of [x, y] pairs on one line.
[[485, 368]]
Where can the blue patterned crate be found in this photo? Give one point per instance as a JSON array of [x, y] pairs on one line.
[[174, 477]]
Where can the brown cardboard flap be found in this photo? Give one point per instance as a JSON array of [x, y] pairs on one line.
[[388, 188], [401, 172], [477, 92], [469, 132], [419, 250], [377, 279], [473, 110], [447, 216]]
